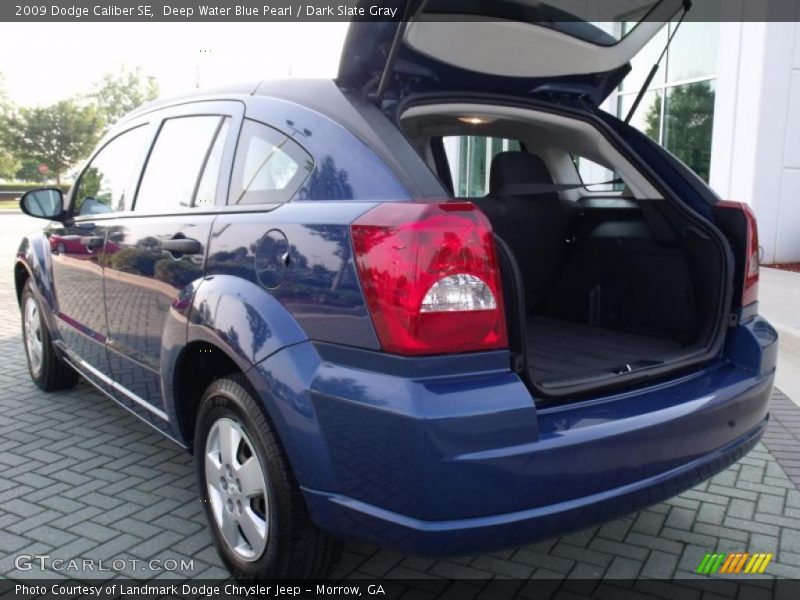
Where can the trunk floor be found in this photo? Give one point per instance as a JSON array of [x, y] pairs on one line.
[[561, 349]]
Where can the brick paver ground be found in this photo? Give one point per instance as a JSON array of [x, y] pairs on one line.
[[82, 478]]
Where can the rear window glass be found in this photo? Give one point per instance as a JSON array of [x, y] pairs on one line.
[[596, 177], [470, 158], [269, 168]]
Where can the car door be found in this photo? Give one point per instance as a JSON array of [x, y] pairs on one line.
[[156, 252], [77, 247]]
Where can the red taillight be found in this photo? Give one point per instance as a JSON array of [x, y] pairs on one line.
[[750, 283], [430, 277]]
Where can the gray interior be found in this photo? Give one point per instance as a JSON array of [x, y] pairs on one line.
[[608, 283], [559, 350]]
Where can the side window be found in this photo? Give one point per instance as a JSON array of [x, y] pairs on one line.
[[207, 188], [269, 168], [470, 159], [108, 182], [185, 146], [595, 177]]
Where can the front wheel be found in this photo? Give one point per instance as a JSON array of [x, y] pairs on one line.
[[257, 514], [47, 369]]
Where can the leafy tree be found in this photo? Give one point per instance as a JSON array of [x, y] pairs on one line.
[[688, 124], [90, 185], [8, 162], [119, 93], [653, 119], [132, 260], [177, 273], [28, 170], [57, 136]]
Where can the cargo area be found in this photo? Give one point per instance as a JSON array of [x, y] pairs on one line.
[[603, 283], [560, 350], [610, 286]]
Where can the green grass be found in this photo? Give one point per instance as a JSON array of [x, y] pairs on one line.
[[9, 204]]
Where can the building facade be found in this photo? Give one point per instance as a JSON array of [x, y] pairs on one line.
[[726, 101]]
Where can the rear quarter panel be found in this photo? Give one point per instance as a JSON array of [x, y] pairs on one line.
[[281, 275], [317, 283]]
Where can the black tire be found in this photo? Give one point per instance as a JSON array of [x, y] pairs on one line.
[[295, 547], [52, 373]]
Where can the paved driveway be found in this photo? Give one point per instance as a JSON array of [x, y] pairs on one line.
[[82, 478]]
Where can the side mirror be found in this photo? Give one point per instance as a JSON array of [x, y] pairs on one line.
[[44, 203]]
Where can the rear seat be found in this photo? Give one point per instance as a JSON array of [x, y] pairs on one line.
[[533, 225]]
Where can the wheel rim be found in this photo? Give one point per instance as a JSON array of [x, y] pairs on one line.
[[237, 489], [33, 335]]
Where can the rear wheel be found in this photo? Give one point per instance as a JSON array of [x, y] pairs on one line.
[[47, 369], [257, 514]]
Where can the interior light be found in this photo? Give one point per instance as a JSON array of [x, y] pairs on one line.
[[476, 120]]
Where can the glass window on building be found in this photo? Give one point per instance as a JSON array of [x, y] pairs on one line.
[[470, 159], [688, 123], [677, 111]]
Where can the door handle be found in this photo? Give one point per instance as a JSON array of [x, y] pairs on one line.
[[182, 245], [92, 242]]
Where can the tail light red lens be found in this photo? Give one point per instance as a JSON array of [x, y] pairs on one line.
[[430, 277], [751, 266]]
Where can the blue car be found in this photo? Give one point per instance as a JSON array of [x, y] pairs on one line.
[[443, 303]]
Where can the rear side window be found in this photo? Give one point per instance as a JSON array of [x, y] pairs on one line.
[[269, 168], [470, 159], [596, 177], [108, 182], [185, 148], [207, 188]]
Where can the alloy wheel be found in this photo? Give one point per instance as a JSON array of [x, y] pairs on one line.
[[33, 335], [237, 489]]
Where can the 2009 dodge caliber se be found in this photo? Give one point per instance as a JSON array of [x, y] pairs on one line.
[[287, 279]]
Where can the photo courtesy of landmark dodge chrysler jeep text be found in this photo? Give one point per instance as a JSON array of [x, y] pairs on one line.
[[292, 280]]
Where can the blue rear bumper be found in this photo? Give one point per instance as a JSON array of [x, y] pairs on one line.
[[417, 457], [357, 520]]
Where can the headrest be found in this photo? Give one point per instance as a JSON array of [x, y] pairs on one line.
[[515, 167]]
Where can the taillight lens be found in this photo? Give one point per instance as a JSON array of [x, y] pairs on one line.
[[430, 277], [750, 292], [751, 267]]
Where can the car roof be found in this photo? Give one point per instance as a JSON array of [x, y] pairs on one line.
[[324, 96], [299, 90]]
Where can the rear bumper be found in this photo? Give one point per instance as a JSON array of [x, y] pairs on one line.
[[353, 519], [451, 455]]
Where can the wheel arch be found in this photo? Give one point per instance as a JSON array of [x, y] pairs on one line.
[[198, 365], [233, 324], [21, 275]]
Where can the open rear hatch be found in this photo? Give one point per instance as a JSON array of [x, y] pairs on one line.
[[638, 290], [512, 47]]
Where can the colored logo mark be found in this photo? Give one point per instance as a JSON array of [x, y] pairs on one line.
[[742, 562]]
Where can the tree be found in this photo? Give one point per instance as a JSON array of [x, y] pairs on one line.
[[653, 119], [8, 162], [688, 124], [28, 170], [58, 136], [119, 93]]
